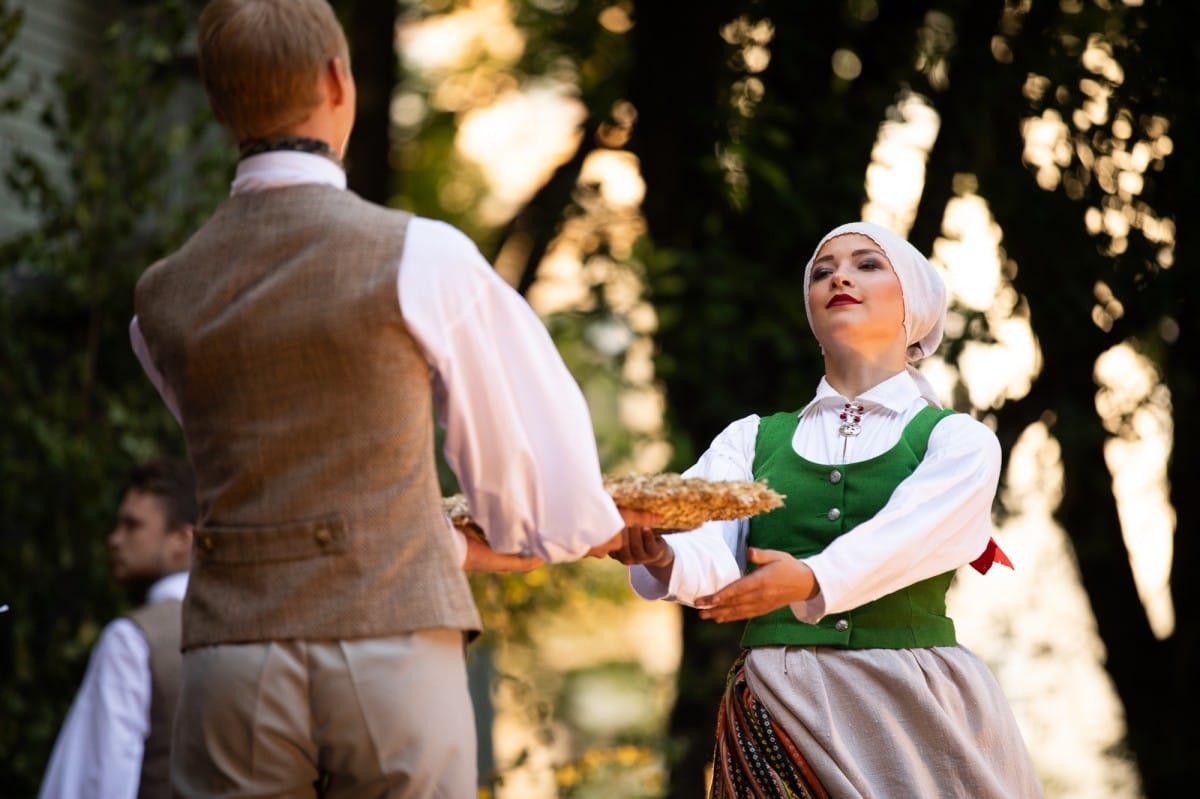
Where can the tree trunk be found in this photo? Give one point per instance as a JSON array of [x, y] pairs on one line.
[[370, 28]]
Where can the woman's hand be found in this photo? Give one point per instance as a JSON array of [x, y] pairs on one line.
[[779, 580], [634, 520], [643, 545]]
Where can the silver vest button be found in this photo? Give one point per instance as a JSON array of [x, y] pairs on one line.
[[842, 625], [834, 514], [835, 477]]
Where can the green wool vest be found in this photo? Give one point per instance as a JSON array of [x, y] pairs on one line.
[[823, 503]]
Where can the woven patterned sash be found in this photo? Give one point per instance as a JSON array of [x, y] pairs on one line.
[[753, 757]]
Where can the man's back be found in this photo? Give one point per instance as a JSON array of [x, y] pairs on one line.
[[307, 410]]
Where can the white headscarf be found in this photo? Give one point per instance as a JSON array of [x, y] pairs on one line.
[[922, 287]]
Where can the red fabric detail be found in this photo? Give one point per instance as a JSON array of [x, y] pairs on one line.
[[992, 554]]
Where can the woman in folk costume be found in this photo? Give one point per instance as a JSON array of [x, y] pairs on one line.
[[851, 682]]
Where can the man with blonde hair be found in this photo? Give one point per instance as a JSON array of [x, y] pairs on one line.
[[306, 340]]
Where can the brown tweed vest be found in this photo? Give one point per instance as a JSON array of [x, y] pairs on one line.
[[159, 623], [307, 410]]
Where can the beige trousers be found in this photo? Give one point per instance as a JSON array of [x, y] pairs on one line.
[[380, 718]]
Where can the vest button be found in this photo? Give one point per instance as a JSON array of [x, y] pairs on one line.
[[207, 543], [842, 625], [322, 536], [834, 514], [835, 477]]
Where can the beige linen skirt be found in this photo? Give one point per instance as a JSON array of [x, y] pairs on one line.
[[888, 723]]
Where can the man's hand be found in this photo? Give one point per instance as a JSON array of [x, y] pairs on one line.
[[482, 558]]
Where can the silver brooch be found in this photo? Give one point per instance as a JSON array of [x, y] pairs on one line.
[[851, 417]]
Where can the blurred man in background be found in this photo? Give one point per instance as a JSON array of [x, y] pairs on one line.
[[115, 742]]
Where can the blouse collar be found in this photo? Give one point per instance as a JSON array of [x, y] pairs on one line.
[[895, 394]]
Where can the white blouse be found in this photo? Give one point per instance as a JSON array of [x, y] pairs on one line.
[[937, 520]]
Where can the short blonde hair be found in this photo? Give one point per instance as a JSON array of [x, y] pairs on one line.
[[261, 59]]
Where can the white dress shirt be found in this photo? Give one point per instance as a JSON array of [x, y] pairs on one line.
[[519, 434], [938, 518], [98, 753]]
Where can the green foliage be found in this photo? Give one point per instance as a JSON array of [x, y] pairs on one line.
[[135, 168], [629, 771], [511, 604]]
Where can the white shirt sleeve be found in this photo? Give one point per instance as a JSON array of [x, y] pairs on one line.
[[519, 434], [138, 341], [99, 748]]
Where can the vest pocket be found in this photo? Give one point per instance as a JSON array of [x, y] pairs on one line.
[[311, 538]]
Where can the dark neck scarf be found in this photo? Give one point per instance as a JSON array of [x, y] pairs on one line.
[[300, 144]]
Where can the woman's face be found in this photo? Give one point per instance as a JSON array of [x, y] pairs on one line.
[[853, 290]]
